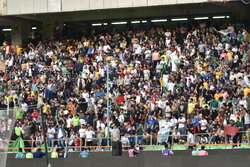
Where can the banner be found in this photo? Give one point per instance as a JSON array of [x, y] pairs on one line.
[[230, 130]]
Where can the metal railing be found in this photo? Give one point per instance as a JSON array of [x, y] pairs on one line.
[[152, 142]]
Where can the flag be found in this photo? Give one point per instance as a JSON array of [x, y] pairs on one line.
[[224, 32], [230, 130], [19, 143]]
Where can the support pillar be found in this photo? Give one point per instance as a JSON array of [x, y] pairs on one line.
[[20, 34], [48, 30]]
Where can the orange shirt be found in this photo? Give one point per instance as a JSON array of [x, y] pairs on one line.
[[71, 108]]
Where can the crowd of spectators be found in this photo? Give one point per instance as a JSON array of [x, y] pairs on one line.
[[178, 81]]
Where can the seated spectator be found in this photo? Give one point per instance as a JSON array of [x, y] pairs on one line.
[[20, 154], [133, 151], [202, 152], [54, 154], [63, 153], [195, 151], [167, 151], [84, 154], [38, 153], [29, 154]]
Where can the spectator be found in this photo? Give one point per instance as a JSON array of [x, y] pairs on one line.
[[38, 153], [84, 154], [202, 152], [195, 151], [29, 154], [132, 152], [167, 151], [89, 137], [54, 154], [63, 153], [190, 140], [20, 154]]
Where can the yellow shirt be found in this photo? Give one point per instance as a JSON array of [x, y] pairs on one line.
[[97, 74], [19, 50], [45, 108], [218, 74], [230, 56], [117, 50], [205, 84], [246, 91], [191, 107], [217, 96]]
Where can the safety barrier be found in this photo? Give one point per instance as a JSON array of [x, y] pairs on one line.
[[150, 141]]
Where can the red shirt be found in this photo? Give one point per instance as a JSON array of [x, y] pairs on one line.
[[35, 115], [120, 99]]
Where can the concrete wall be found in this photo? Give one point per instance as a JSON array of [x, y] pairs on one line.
[[15, 7], [216, 158]]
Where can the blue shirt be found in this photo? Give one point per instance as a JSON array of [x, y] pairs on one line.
[[20, 155], [84, 155]]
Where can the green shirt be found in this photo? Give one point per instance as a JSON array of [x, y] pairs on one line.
[[19, 114], [18, 131], [54, 155], [29, 155], [75, 121]]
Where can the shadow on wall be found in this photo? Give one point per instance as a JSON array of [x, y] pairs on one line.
[[216, 158]]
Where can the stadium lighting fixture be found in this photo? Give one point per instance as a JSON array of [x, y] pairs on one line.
[[227, 17], [201, 18], [160, 20], [144, 21], [105, 24], [123, 22], [135, 22], [7, 29], [179, 19], [34, 28], [219, 17], [97, 24]]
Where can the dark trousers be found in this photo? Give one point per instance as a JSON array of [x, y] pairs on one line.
[[236, 138], [89, 143]]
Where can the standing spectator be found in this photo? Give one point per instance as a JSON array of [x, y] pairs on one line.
[[115, 134], [190, 140], [181, 125], [51, 135], [60, 135], [89, 134]]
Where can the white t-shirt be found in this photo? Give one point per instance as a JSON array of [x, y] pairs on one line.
[[191, 138], [181, 125], [247, 118], [68, 123], [89, 135], [82, 132], [168, 126], [24, 107], [203, 122], [60, 133], [51, 130]]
